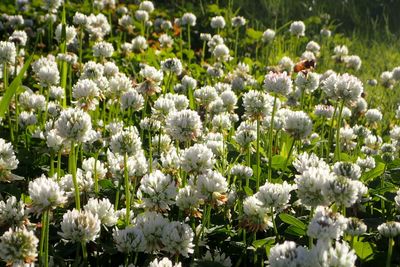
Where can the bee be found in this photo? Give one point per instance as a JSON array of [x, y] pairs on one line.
[[304, 66]]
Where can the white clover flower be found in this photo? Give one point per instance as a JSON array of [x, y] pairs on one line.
[[257, 104], [344, 191], [142, 15], [245, 134], [197, 159], [238, 21], [165, 262], [152, 225], [347, 138], [177, 238], [86, 92], [366, 164], [172, 65], [8, 52], [355, 227], [85, 183], [346, 87], [26, 119], [255, 217], [80, 226], [139, 43], [218, 22], [184, 125], [48, 75], [268, 36], [307, 82], [298, 124], [92, 165], [286, 64], [131, 99], [188, 198], [217, 257], [324, 254], [326, 224], [103, 209], [313, 46], [353, 62], [126, 141], [128, 240], [325, 32], [92, 70], [304, 161], [147, 6], [389, 229], [287, 254], [274, 195], [165, 40], [103, 49], [324, 111], [70, 33], [18, 247], [157, 190], [373, 115], [310, 184], [221, 52], [45, 194], [12, 212], [212, 186], [188, 19], [278, 83], [347, 169], [79, 19], [297, 28], [19, 37], [8, 161], [74, 125]]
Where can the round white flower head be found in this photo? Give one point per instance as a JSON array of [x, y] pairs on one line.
[[221, 52], [188, 199], [103, 49], [184, 125], [347, 169], [298, 124], [152, 225], [126, 141], [255, 217], [268, 36], [389, 229], [307, 82], [165, 40], [212, 186], [165, 262], [344, 191], [172, 65], [139, 43], [142, 15], [325, 32], [197, 159], [355, 227], [8, 161], [157, 190], [218, 22], [345, 87], [74, 125], [257, 105], [238, 21], [12, 212], [86, 92], [310, 185], [326, 224], [297, 28], [397, 200], [103, 209], [286, 64], [70, 33], [188, 19], [325, 254], [131, 99], [18, 247], [147, 5], [313, 46], [373, 115], [45, 194], [217, 257], [80, 226], [278, 83], [128, 240], [18, 37], [287, 254], [48, 75], [177, 238], [274, 195], [324, 111], [353, 62], [8, 52]]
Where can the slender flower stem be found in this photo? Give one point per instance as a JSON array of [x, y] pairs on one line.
[[330, 131], [271, 129], [390, 251], [288, 157], [127, 190], [274, 224], [59, 164], [338, 131], [258, 155], [46, 245], [72, 162], [310, 239], [84, 253]]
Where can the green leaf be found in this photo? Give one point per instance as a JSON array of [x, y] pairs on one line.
[[278, 162], [294, 230], [253, 34], [248, 191], [262, 242], [106, 184], [289, 219], [6, 99], [364, 250], [374, 173]]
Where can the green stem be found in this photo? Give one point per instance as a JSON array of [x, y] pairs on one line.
[[390, 251], [338, 131], [72, 162], [84, 253], [127, 190], [258, 155], [46, 245], [330, 131], [271, 129]]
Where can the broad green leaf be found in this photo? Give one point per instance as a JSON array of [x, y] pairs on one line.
[[6, 99], [289, 219], [374, 173], [295, 231], [248, 191], [364, 250], [262, 242], [106, 184], [278, 162], [253, 34]]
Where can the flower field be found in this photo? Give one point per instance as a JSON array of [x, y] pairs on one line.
[[174, 133]]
